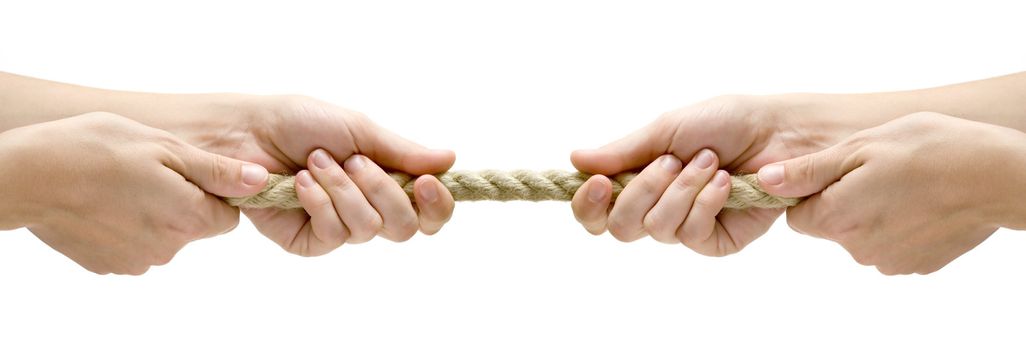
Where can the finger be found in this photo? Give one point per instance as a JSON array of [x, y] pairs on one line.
[[280, 226], [395, 152], [808, 174], [324, 231], [699, 227], [591, 203], [385, 195], [434, 203], [633, 151], [638, 197], [217, 174], [197, 214], [827, 214], [669, 212], [220, 216], [356, 212]]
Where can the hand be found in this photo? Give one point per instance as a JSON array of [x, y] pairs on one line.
[[350, 203], [908, 196], [677, 203], [117, 196]]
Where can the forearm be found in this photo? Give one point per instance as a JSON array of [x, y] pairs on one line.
[[998, 101], [26, 100]]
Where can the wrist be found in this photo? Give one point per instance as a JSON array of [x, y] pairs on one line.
[[821, 120], [217, 123], [813, 122], [1013, 207], [16, 209]]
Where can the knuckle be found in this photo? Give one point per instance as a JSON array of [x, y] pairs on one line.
[[369, 226], [405, 228], [332, 239], [338, 180], [134, 270], [188, 227], [618, 229], [379, 184], [99, 270], [409, 224], [687, 238], [320, 203], [221, 171], [661, 232], [653, 223], [162, 258], [648, 185], [688, 181], [198, 225], [706, 201], [887, 271], [862, 258], [890, 270], [596, 229], [806, 168], [839, 231]]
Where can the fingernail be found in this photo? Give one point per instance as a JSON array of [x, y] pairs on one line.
[[704, 159], [596, 193], [304, 179], [429, 193], [253, 174], [671, 163], [322, 159], [772, 174], [721, 179], [354, 163]]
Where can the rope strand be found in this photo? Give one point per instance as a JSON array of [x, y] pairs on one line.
[[528, 185]]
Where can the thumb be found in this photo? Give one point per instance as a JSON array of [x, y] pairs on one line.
[[808, 174], [393, 151], [223, 176], [633, 151]]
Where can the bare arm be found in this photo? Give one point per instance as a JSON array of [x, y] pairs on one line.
[[27, 100], [999, 101]]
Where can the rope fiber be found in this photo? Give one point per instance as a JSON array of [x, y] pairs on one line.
[[527, 185]]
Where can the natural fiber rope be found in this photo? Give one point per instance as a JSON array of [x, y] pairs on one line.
[[494, 185]]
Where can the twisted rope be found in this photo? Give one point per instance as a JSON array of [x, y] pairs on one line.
[[494, 185]]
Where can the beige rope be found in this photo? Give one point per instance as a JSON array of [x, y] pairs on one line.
[[495, 185]]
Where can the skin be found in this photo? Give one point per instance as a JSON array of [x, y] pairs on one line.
[[340, 150], [658, 201], [681, 202], [349, 200], [928, 188], [115, 195]]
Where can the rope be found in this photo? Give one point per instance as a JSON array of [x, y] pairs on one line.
[[494, 185]]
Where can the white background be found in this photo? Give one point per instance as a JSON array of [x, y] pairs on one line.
[[478, 78]]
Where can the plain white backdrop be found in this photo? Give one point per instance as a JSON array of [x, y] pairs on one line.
[[477, 77]]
